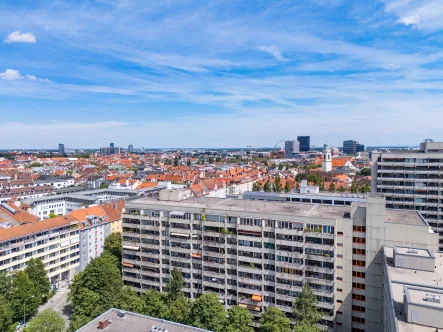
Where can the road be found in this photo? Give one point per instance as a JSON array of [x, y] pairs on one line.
[[59, 303]]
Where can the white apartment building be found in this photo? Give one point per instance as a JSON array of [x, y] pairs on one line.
[[55, 241], [56, 181], [258, 253], [412, 181]]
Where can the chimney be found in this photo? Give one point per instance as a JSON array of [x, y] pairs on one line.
[[103, 323]]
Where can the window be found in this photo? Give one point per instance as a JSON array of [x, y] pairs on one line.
[[358, 251], [358, 285], [358, 274], [339, 312], [340, 244], [358, 297], [354, 329], [359, 240], [358, 320], [359, 229], [339, 278], [339, 267], [358, 263], [340, 233], [358, 308], [339, 290], [339, 301], [339, 324]]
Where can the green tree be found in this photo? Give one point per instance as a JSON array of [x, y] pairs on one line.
[[176, 161], [154, 304], [277, 184], [52, 215], [341, 189], [303, 327], [211, 160], [180, 309], [280, 166], [175, 284], [274, 320], [332, 187], [353, 187], [47, 321], [130, 301], [267, 187], [113, 244], [256, 186], [208, 313], [35, 269], [265, 163], [5, 314], [5, 284], [35, 164], [94, 290], [23, 289], [103, 186], [304, 308], [366, 188], [287, 188], [188, 163], [218, 159], [366, 171], [321, 187], [239, 320]]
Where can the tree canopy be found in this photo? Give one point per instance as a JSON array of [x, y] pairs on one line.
[[23, 289], [47, 321], [5, 314], [239, 320], [208, 313], [267, 187], [304, 308], [175, 284], [113, 244], [274, 320], [36, 272]]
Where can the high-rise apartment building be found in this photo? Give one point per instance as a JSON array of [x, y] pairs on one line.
[[412, 180], [305, 143], [111, 148], [257, 254], [61, 148], [291, 148]]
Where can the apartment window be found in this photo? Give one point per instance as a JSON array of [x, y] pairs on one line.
[[339, 278], [358, 297], [338, 323], [358, 274], [359, 229], [358, 320], [339, 267], [358, 251], [340, 233], [339, 312], [339, 301], [358, 240], [358, 263], [339, 290], [358, 285], [339, 244], [358, 308]]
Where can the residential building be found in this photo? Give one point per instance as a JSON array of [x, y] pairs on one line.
[[412, 290], [56, 181], [257, 254], [55, 241], [115, 320], [23, 193], [305, 143], [291, 148], [326, 159], [11, 215], [412, 180], [350, 147]]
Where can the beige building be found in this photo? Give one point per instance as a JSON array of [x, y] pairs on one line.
[[258, 253], [55, 241]]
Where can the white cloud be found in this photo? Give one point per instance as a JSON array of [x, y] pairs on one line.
[[10, 75], [274, 51], [31, 77], [427, 15], [410, 20], [18, 37]]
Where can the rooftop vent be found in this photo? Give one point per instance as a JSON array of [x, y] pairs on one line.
[[412, 251], [158, 329], [432, 298], [103, 323], [121, 313]]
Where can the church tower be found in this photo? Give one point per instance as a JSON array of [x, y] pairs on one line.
[[326, 158]]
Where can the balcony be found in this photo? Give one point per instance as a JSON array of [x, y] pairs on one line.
[[213, 284], [320, 281], [179, 230], [250, 281], [288, 287], [326, 305], [320, 258], [289, 265], [325, 247], [214, 264], [288, 276], [249, 269], [319, 269], [213, 254], [211, 274], [285, 297]]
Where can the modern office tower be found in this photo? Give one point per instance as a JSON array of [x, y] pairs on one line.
[[61, 148], [359, 147], [130, 148], [257, 254], [55, 241], [142, 149], [412, 180], [111, 148], [291, 148], [350, 147], [105, 150], [305, 143], [326, 159]]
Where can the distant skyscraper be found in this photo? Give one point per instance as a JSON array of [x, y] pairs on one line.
[[350, 147], [130, 148], [360, 147], [142, 149], [111, 148], [326, 158], [305, 143], [61, 148], [291, 147]]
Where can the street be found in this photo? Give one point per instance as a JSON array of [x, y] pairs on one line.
[[59, 303]]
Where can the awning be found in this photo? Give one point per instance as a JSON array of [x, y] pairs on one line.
[[256, 298], [179, 234], [127, 264], [196, 255], [131, 248], [242, 305], [178, 213]]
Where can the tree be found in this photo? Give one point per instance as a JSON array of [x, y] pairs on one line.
[[218, 159], [280, 166], [304, 308], [322, 186], [5, 314], [154, 304], [188, 163], [341, 189], [265, 162], [176, 161], [23, 289], [208, 313], [274, 320], [48, 321], [36, 272], [287, 188], [303, 327], [239, 320], [130, 301], [267, 187], [52, 215], [332, 187], [103, 186], [211, 160], [366, 188], [353, 187], [277, 184], [180, 309], [366, 171], [35, 164], [256, 186], [94, 290], [113, 244], [175, 284], [5, 284]]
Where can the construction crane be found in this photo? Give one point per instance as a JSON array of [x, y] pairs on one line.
[[276, 145]]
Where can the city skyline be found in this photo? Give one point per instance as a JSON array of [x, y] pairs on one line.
[[219, 75]]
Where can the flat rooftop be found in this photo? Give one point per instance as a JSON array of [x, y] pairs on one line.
[[400, 276], [419, 296], [419, 252], [276, 207], [134, 323]]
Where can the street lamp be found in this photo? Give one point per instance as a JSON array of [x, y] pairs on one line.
[[24, 307]]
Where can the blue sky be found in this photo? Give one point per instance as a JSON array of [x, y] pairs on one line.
[[219, 73]]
